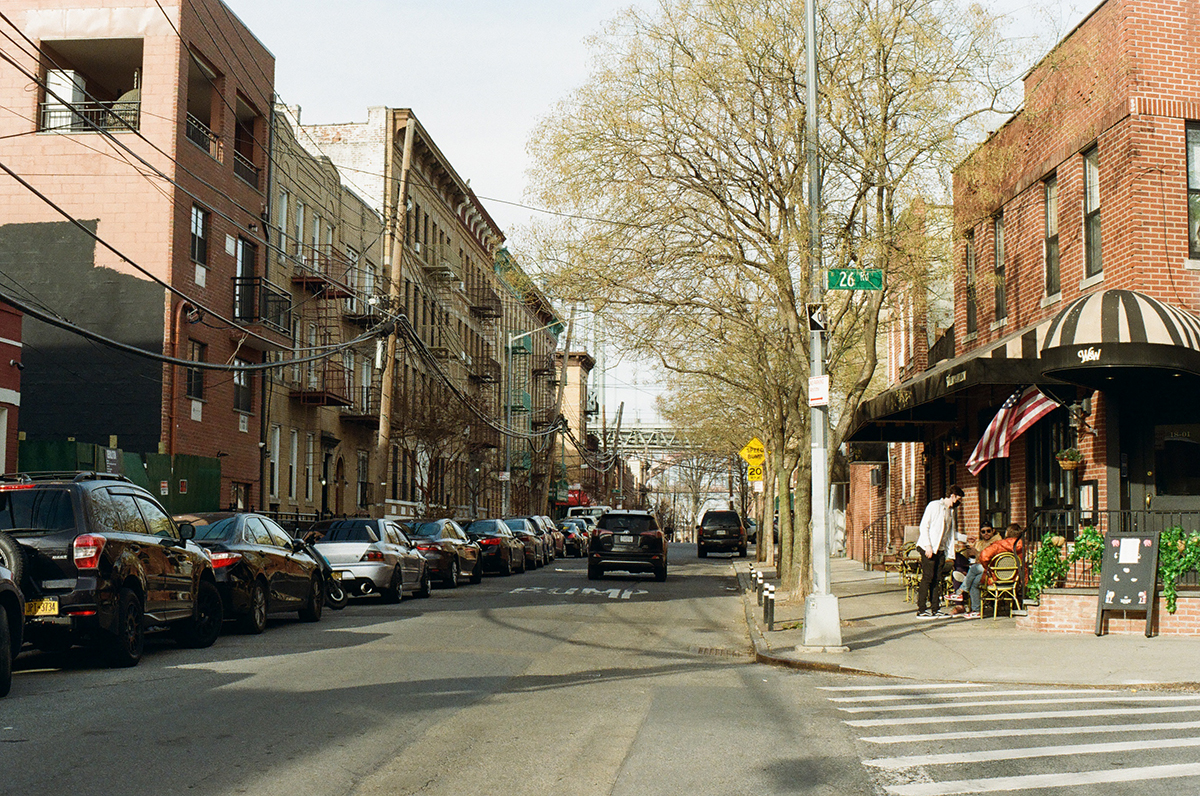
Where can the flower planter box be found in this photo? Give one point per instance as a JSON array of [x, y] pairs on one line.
[[1074, 611]]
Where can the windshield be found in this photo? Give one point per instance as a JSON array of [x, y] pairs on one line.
[[347, 532], [36, 509], [516, 524], [721, 519], [429, 530], [482, 526], [219, 530]]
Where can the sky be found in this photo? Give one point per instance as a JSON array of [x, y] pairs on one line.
[[480, 75]]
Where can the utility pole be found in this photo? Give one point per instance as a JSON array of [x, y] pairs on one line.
[[822, 623], [558, 401], [396, 241]]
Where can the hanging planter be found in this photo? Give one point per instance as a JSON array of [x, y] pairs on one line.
[[1069, 458]]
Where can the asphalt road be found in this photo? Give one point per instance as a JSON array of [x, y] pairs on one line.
[[543, 683]]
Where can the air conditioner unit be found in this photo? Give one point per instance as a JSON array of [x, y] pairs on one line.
[[878, 475]]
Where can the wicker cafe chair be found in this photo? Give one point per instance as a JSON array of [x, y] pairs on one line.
[[910, 570], [1005, 570]]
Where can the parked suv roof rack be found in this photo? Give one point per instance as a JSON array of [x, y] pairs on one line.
[[75, 476]]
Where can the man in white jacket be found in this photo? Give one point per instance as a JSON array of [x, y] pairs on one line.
[[936, 541]]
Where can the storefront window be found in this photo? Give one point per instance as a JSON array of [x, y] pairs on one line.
[[1047, 482], [994, 493], [1177, 460]]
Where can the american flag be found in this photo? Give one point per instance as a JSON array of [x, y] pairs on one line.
[[1022, 409]]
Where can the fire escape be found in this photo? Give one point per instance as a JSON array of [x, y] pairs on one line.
[[324, 275]]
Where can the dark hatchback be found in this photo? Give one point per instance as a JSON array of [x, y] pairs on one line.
[[260, 569], [500, 551], [103, 562], [448, 549], [575, 536], [629, 541], [720, 531]]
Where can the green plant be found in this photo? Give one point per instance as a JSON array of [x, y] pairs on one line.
[[1069, 455], [1089, 546], [1178, 553], [1048, 567]]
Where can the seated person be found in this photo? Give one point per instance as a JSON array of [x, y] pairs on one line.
[[970, 584]]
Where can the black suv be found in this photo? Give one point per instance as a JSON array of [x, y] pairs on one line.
[[103, 562], [720, 531], [629, 541]]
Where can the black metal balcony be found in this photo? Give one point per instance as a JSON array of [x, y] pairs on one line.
[[245, 169], [202, 136], [83, 117], [259, 303]]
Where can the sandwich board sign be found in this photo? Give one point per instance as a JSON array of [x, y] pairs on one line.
[[1128, 576]]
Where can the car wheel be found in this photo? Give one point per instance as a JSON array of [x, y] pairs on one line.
[[742, 551], [394, 590], [124, 648], [477, 573], [701, 552], [255, 621], [202, 630], [6, 656], [506, 567], [311, 612], [660, 575], [335, 594], [452, 577], [595, 571], [426, 584], [11, 557], [524, 564]]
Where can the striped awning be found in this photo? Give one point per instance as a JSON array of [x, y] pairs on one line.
[[1100, 333]]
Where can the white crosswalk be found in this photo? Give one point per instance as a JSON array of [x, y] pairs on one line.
[[983, 745]]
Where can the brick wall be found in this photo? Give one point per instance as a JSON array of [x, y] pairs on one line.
[[1074, 611]]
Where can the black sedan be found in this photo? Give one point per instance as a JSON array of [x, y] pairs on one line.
[[535, 546], [448, 549], [259, 568], [575, 536], [501, 551]]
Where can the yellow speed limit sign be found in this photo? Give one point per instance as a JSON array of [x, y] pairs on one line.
[[754, 472]]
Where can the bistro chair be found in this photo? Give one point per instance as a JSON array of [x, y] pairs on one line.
[[910, 570], [1005, 580]]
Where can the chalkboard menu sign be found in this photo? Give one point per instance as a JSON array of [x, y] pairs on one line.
[[1129, 576]]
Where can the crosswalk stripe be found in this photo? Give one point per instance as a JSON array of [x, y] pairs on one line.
[[1110, 697], [907, 686], [1022, 753], [1016, 732], [1032, 781], [1042, 714], [1029, 692]]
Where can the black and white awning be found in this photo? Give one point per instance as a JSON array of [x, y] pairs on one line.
[[1099, 334]]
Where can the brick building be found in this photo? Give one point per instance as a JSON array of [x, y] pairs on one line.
[[146, 126], [1077, 235]]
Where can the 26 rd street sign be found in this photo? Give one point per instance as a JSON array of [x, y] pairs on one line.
[[855, 279]]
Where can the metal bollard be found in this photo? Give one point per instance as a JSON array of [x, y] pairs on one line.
[[769, 608], [758, 586]]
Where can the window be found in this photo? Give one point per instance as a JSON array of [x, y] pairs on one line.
[[1193, 170], [994, 493], [308, 467], [282, 215], [293, 460], [273, 465], [243, 286], [197, 352], [239, 496], [158, 523], [298, 238], [243, 398], [1053, 283], [364, 484], [1047, 481], [998, 262], [972, 320], [1093, 264], [200, 221], [91, 85]]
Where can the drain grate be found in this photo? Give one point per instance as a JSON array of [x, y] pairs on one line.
[[721, 652]]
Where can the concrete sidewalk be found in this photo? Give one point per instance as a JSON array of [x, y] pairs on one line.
[[885, 637]]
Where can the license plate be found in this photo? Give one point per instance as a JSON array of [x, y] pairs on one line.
[[46, 607], [625, 539], [719, 533]]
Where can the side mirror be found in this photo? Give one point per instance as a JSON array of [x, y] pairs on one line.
[[187, 531]]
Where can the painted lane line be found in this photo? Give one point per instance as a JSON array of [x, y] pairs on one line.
[[1033, 781], [914, 686], [1036, 714], [951, 758], [1030, 692], [1017, 732], [1111, 697]]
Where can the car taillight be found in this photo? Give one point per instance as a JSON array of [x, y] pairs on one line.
[[224, 559], [86, 550], [10, 487], [372, 555], [489, 541], [425, 548]]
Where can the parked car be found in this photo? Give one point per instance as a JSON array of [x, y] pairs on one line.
[[575, 536], [260, 569], [751, 530], [12, 624], [535, 545], [720, 531], [373, 556], [500, 550], [103, 562], [450, 552], [629, 541], [542, 529]]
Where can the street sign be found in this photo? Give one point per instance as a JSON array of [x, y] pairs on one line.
[[754, 473], [855, 279], [817, 322], [818, 390], [754, 452]]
